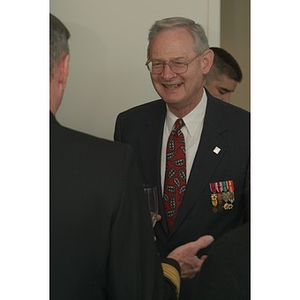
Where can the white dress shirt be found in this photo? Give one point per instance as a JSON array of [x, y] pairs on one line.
[[192, 133]]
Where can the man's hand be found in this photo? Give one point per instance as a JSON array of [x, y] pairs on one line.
[[186, 256]]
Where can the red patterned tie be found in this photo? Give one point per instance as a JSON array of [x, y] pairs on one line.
[[175, 177]]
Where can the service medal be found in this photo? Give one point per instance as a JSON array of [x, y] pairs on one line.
[[214, 202], [222, 195], [214, 197]]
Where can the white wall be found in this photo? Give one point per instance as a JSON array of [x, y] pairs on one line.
[[108, 52]]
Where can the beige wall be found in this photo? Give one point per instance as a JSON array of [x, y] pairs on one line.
[[235, 38], [108, 52]]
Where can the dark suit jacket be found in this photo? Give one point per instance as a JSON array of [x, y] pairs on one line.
[[226, 272], [101, 243], [225, 126]]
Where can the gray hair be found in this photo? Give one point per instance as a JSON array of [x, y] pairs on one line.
[[59, 46], [196, 30]]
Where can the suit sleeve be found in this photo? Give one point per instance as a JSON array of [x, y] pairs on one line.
[[226, 272], [134, 269]]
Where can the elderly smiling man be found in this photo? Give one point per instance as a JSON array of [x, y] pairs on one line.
[[192, 146]]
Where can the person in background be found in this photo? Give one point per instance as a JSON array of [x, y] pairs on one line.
[[101, 237], [224, 75], [193, 147]]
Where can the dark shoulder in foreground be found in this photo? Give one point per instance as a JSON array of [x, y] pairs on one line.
[[83, 142]]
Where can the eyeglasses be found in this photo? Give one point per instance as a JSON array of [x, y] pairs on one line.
[[177, 66]]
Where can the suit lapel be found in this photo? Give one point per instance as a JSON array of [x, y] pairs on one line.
[[206, 160]]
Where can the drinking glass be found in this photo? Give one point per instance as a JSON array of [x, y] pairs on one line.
[[150, 192]]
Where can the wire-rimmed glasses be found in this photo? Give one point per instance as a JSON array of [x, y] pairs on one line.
[[176, 66]]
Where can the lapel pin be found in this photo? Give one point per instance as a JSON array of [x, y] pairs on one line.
[[217, 150]]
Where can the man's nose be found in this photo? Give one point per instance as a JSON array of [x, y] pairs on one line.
[[167, 73]]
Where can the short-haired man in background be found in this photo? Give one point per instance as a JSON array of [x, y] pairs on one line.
[[224, 75]]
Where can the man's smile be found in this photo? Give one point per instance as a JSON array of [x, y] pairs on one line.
[[172, 86]]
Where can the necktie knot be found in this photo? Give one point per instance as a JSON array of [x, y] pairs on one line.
[[177, 127], [178, 124]]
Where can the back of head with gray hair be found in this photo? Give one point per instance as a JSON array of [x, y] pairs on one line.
[[196, 30], [59, 36]]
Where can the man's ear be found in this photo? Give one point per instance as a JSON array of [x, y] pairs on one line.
[[63, 71], [207, 60]]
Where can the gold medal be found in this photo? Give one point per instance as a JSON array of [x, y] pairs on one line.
[[214, 202]]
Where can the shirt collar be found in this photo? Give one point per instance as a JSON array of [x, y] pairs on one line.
[[191, 120]]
